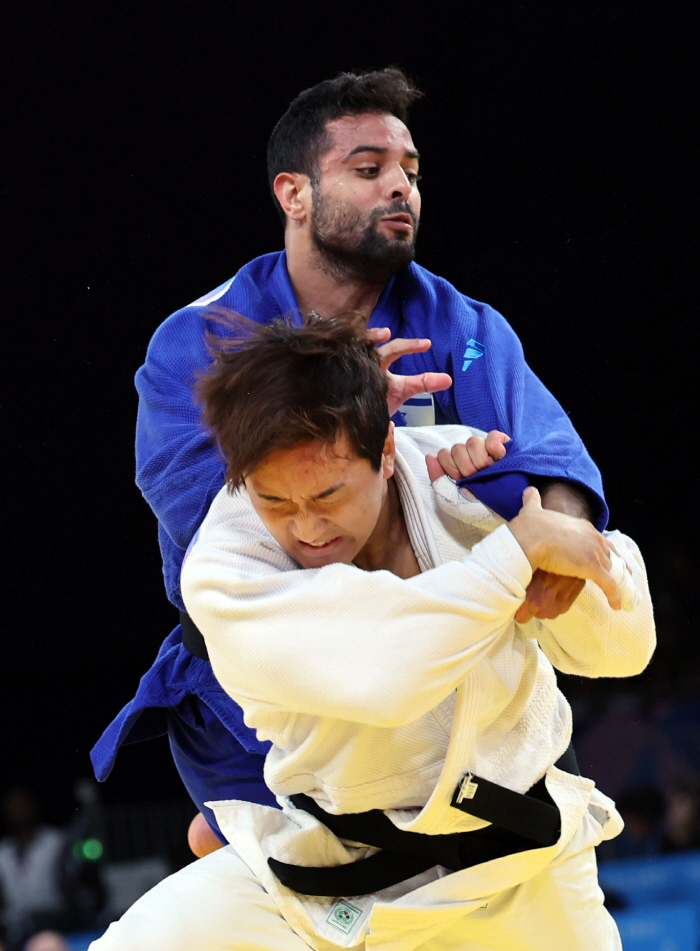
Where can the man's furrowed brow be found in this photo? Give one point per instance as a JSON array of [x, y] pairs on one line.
[[321, 495], [327, 492]]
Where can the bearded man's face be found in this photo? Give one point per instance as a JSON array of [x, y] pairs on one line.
[[366, 204], [353, 244]]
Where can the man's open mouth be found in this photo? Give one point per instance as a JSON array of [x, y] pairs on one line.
[[319, 545]]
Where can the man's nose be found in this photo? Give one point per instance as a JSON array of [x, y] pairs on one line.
[[308, 527], [397, 184]]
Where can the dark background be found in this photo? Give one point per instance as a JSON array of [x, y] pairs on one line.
[[558, 185]]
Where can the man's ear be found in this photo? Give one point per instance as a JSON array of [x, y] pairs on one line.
[[389, 453], [293, 192]]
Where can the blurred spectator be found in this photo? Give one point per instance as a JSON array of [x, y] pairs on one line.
[[82, 882], [673, 571], [46, 941], [30, 870], [682, 822], [642, 808]]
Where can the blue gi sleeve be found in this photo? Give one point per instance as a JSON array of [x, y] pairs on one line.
[[544, 443], [494, 388]]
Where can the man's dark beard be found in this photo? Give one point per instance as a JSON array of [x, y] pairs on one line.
[[351, 248]]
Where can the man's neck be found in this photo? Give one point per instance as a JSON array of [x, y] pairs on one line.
[[389, 546], [317, 289]]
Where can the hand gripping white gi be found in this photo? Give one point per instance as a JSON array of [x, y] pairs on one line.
[[627, 589]]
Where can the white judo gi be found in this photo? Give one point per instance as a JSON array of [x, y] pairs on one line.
[[381, 693]]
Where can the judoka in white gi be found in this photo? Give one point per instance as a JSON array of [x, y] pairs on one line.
[[390, 675]]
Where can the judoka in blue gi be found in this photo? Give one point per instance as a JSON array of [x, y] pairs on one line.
[[343, 169]]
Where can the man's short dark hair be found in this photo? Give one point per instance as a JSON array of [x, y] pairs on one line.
[[276, 386], [300, 137]]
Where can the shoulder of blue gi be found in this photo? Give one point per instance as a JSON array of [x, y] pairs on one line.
[[494, 388], [177, 466]]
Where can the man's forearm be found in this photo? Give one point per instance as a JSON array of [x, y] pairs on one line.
[[565, 497]]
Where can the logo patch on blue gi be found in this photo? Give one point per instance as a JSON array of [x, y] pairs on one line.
[[343, 916], [473, 352]]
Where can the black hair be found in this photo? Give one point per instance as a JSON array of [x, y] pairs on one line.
[[300, 137], [279, 385]]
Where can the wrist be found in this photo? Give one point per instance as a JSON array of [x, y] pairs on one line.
[[528, 538]]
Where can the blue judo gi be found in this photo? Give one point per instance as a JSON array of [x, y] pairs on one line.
[[180, 471]]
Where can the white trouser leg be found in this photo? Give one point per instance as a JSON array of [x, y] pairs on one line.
[[217, 904], [214, 904], [561, 909]]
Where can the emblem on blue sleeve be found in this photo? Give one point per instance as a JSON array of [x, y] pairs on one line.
[[473, 352]]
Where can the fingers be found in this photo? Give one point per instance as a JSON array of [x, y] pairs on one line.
[[598, 563], [622, 576], [426, 383], [609, 572], [447, 464], [399, 347], [531, 498], [377, 335], [609, 589], [402, 388], [563, 545], [570, 546], [548, 596], [471, 456], [464, 459], [496, 444], [435, 470], [484, 452], [524, 613]]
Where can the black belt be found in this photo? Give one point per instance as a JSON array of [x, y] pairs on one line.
[[519, 822], [192, 638]]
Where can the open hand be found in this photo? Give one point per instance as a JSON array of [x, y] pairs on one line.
[[550, 595], [402, 388], [564, 545]]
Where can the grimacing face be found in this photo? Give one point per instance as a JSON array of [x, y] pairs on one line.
[[321, 502], [366, 203]]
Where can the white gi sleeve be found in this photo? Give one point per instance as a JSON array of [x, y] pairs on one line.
[[282, 639], [591, 639]]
